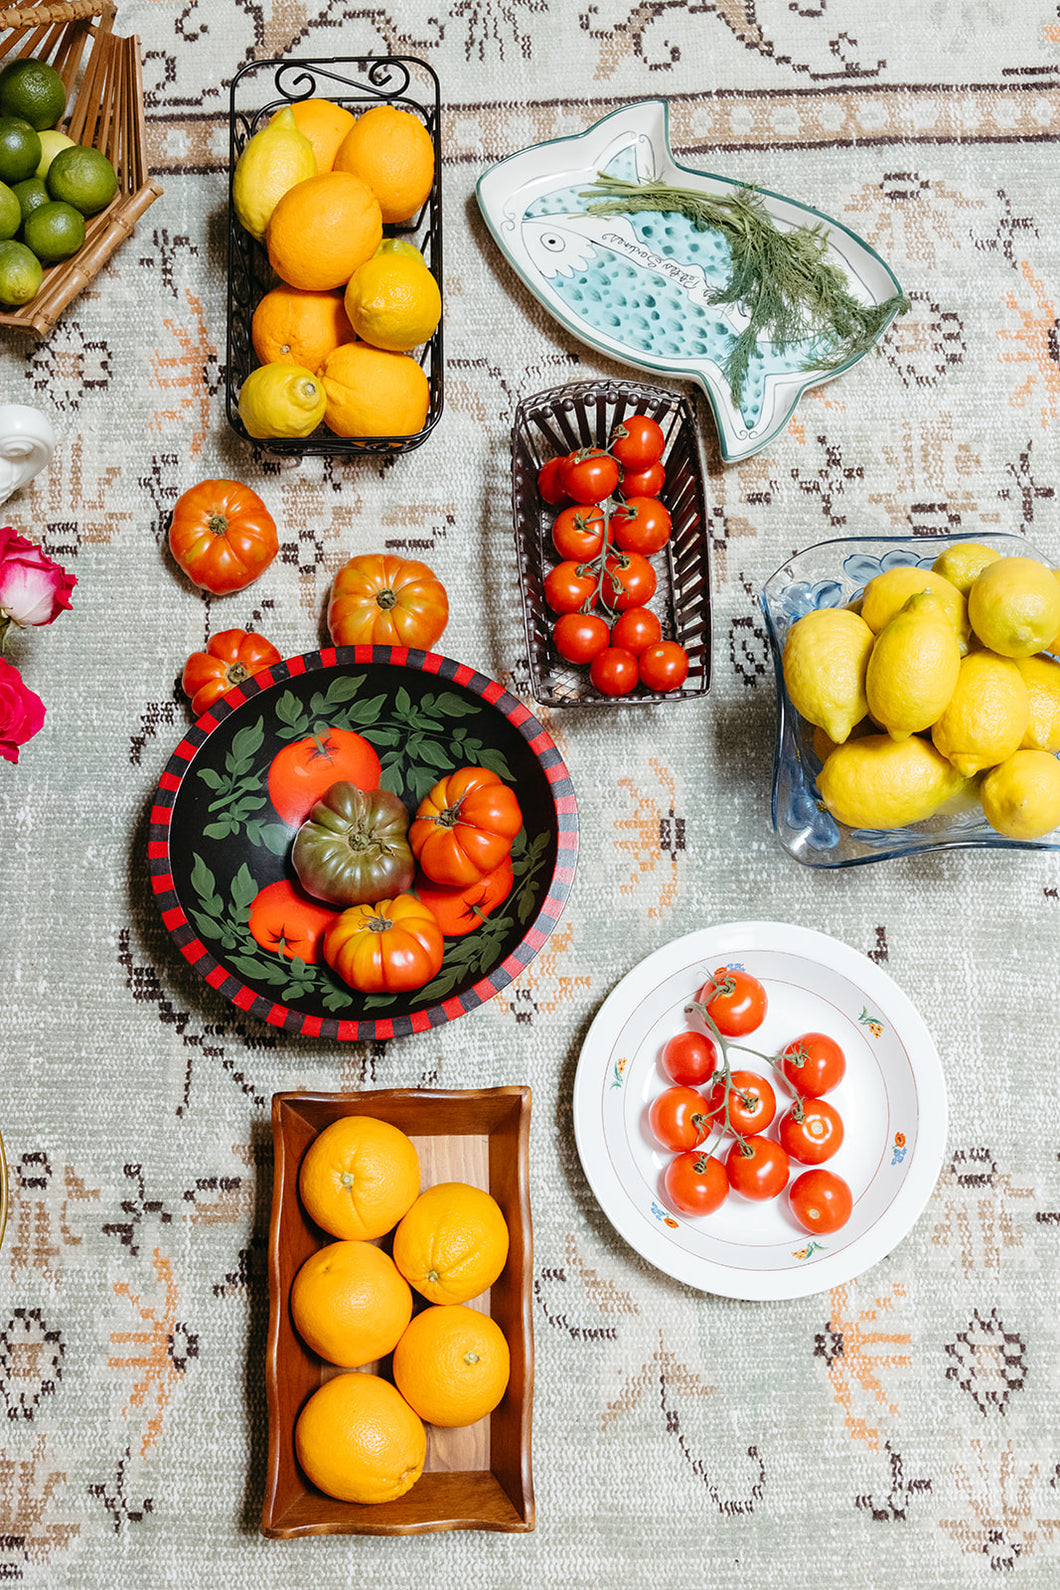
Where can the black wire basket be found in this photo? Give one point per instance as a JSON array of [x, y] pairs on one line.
[[258, 91]]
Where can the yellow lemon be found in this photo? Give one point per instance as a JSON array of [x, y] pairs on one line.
[[51, 142], [281, 400], [987, 715], [1021, 796], [962, 563], [823, 745], [826, 654], [1014, 606], [887, 594], [274, 160], [1041, 675], [393, 302], [913, 667], [1054, 644], [877, 782]]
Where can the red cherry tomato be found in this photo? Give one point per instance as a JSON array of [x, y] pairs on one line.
[[637, 441], [614, 672], [579, 637], [757, 1168], [550, 482], [813, 1064], [641, 524], [578, 532], [696, 1183], [643, 482], [678, 1119], [752, 1103], [811, 1130], [629, 581], [664, 666], [736, 1001], [635, 630], [566, 590], [589, 475], [820, 1200], [689, 1058]]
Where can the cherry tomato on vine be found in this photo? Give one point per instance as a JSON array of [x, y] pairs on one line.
[[820, 1200], [637, 441], [689, 1058], [566, 590], [752, 1103], [811, 1130], [629, 582], [550, 482], [813, 1064], [614, 672], [641, 524], [635, 630], [678, 1119], [579, 637], [589, 475], [696, 1182], [664, 666], [643, 482], [736, 1001], [757, 1168], [578, 532]]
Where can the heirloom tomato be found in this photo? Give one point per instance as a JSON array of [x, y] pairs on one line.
[[461, 909], [380, 600], [736, 1001], [696, 1182], [811, 1130], [387, 948], [813, 1063], [353, 848], [222, 535], [304, 771], [231, 656], [464, 826], [647, 482], [614, 672], [757, 1167], [630, 581], [752, 1103], [635, 630], [589, 475], [578, 637], [641, 524], [678, 1118], [578, 532], [283, 920], [664, 666], [550, 482], [820, 1200], [637, 441], [689, 1058]]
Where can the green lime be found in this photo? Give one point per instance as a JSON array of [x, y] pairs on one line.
[[19, 149], [10, 218], [31, 194], [398, 245], [20, 274], [50, 143], [55, 231], [82, 177], [33, 90]]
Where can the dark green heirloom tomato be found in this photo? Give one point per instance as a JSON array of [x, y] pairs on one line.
[[352, 849]]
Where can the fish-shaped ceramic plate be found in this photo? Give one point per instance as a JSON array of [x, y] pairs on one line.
[[638, 286]]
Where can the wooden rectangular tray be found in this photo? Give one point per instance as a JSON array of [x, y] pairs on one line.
[[475, 1478]]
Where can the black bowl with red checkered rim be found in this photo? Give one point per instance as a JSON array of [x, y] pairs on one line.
[[216, 841]]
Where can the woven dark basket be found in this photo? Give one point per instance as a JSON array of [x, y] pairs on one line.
[[258, 91], [585, 415]]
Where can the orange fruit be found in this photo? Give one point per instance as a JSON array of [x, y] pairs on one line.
[[452, 1365], [349, 1304], [371, 392], [391, 150], [453, 1243], [322, 229], [358, 1440], [359, 1176], [292, 326], [324, 124]]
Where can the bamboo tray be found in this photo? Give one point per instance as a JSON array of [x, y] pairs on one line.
[[477, 1477], [107, 111]]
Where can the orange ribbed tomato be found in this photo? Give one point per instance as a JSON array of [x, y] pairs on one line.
[[231, 656], [464, 826], [388, 948], [381, 600], [222, 535]]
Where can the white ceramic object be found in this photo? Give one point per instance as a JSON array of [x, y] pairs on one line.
[[637, 287], [27, 445], [892, 1101]]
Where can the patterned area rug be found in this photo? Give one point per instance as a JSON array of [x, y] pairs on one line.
[[898, 1429]]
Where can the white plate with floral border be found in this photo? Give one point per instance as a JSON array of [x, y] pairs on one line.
[[892, 1101]]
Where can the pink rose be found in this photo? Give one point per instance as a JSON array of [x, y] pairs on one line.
[[21, 712], [33, 588]]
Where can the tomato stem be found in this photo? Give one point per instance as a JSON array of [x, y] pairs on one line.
[[218, 525], [606, 561]]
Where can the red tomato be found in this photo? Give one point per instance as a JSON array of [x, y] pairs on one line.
[[635, 630], [637, 441], [736, 1001], [566, 590], [643, 482], [550, 482], [578, 532], [629, 581], [231, 656], [752, 1103], [678, 1118], [589, 475], [642, 524], [820, 1200], [811, 1131], [579, 637], [301, 773], [460, 910], [757, 1167], [813, 1064], [285, 920], [696, 1182], [222, 535], [613, 671], [689, 1058], [664, 666]]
